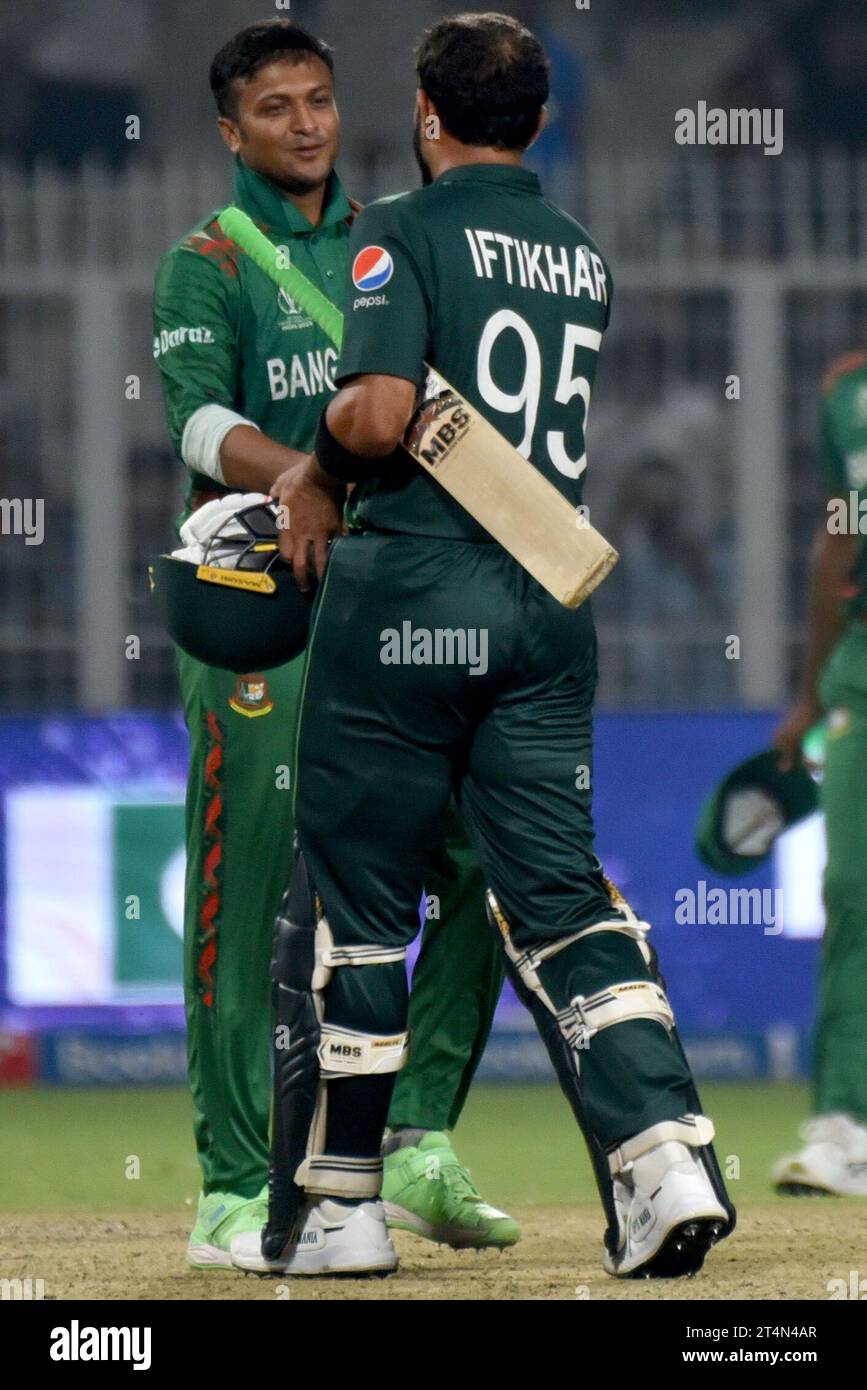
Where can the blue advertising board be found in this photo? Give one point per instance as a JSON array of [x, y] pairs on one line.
[[91, 880]]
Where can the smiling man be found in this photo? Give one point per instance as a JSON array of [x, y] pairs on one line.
[[245, 376]]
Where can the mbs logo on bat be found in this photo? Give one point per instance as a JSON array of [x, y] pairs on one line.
[[439, 425]]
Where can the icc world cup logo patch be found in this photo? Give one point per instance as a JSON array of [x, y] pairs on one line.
[[287, 304], [291, 316]]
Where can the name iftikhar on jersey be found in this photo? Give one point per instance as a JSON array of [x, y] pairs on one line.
[[535, 266]]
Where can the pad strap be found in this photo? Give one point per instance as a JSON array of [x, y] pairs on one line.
[[345, 1052], [527, 962], [329, 957], [588, 1014], [335, 1175], [693, 1130]]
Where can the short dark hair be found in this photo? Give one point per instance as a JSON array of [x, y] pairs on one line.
[[488, 77], [254, 47]]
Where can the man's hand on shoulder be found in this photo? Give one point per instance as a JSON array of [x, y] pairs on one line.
[[311, 515]]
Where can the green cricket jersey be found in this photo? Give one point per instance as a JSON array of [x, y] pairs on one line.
[[507, 297], [844, 460], [225, 335]]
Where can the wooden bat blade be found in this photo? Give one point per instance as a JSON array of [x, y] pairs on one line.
[[507, 495]]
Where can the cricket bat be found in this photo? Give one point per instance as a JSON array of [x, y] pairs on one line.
[[449, 438]]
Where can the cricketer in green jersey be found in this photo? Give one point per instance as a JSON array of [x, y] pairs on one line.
[[463, 672], [245, 377], [834, 683]]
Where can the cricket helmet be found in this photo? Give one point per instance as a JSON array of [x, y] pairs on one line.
[[227, 598]]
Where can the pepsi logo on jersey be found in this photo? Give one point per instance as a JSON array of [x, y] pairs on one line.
[[372, 269]]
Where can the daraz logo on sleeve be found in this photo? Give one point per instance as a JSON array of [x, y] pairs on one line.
[[177, 337], [372, 269]]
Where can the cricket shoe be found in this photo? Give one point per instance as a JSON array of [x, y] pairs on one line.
[[668, 1214], [832, 1162], [220, 1216], [427, 1190], [335, 1239]]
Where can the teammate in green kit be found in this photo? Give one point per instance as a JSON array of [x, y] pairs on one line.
[[245, 376], [834, 681], [436, 662]]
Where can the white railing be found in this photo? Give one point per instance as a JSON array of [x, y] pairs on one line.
[[77, 257], [694, 209]]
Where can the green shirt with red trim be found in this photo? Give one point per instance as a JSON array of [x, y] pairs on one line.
[[225, 335]]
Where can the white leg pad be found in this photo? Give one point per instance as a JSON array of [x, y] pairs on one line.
[[346, 1052]]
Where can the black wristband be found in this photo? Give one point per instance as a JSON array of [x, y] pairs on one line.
[[339, 462]]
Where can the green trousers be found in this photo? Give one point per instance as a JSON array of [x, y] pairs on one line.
[[438, 666], [841, 1040], [239, 828]]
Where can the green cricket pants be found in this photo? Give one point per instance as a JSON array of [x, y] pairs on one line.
[[439, 666], [239, 828], [841, 1039]]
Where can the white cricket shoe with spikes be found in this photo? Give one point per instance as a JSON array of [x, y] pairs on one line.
[[833, 1160], [334, 1239], [668, 1213]]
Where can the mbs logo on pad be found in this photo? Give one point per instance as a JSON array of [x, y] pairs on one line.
[[250, 697]]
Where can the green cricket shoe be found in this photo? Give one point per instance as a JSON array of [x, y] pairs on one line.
[[428, 1191], [220, 1216]]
